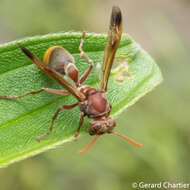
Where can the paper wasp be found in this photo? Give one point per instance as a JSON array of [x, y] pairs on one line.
[[91, 102]]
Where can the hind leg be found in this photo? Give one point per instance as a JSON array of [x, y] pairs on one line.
[[48, 90]]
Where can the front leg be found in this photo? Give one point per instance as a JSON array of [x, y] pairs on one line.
[[85, 56]]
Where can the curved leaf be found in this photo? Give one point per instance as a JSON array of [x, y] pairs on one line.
[[24, 119]]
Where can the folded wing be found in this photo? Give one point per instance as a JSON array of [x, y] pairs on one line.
[[53, 74], [114, 36]]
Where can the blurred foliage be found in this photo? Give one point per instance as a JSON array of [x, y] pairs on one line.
[[160, 121], [27, 18]]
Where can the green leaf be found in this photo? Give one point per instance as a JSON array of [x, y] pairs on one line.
[[21, 120]]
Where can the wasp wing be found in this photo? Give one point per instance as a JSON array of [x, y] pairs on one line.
[[114, 36], [53, 74]]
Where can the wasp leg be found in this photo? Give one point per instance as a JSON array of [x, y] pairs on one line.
[[85, 56], [79, 126], [48, 90], [66, 107]]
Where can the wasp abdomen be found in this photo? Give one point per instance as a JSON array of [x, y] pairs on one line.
[[62, 61]]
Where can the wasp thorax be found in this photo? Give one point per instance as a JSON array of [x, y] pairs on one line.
[[101, 126], [61, 61]]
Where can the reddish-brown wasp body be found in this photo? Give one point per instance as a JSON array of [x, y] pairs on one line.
[[92, 102], [98, 108]]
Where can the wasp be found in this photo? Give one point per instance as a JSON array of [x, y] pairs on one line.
[[92, 102]]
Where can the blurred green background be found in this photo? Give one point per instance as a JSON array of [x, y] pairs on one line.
[[160, 120]]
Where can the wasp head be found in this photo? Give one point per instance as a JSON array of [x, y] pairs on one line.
[[101, 126]]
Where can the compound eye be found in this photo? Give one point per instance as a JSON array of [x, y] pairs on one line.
[[94, 127]]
